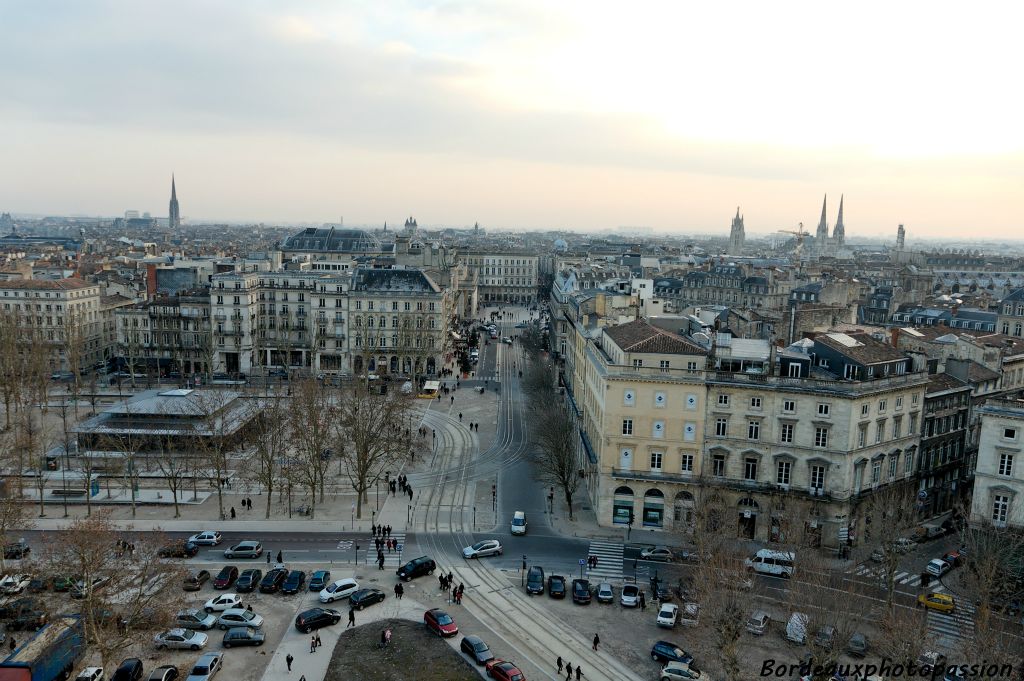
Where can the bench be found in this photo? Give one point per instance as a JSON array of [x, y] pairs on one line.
[[68, 492]]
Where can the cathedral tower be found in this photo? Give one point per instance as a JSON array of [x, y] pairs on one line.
[[173, 213], [737, 236], [839, 231]]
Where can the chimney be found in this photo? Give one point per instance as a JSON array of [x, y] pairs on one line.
[[150, 281], [895, 337]]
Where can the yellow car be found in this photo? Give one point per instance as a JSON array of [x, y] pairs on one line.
[[938, 602]]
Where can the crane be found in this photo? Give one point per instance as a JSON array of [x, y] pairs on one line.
[[800, 234]]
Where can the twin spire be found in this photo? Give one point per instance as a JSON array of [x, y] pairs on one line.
[[839, 232]]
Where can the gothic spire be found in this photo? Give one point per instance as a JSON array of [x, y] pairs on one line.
[[173, 211], [822, 232]]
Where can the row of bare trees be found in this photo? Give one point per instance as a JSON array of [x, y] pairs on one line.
[[553, 432]]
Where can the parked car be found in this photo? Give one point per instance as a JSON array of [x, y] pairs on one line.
[[183, 639], [936, 601], [226, 577], [14, 584], [825, 638], [206, 538], [503, 670], [680, 671], [342, 588], [581, 591], [81, 589], [245, 549], [629, 596], [193, 618], [165, 672], [487, 547], [605, 593], [319, 580], [535, 580], [689, 614], [128, 670], [205, 667], [416, 567], [38, 585], [16, 550], [663, 651], [758, 623], [954, 558], [937, 567], [796, 628], [62, 583], [556, 586], [31, 620], [17, 607], [273, 580], [475, 647], [249, 580], [660, 590], [91, 674], [243, 636], [440, 622], [365, 597], [294, 582], [239, 617], [857, 645], [668, 615], [178, 549], [658, 553], [195, 579], [316, 618], [223, 602]]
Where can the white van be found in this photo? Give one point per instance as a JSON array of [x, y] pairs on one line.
[[518, 523], [773, 563], [796, 628]]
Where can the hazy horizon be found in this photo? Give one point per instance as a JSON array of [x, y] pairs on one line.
[[519, 114]]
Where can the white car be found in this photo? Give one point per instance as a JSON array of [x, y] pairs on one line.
[[680, 671], [668, 615], [205, 667], [206, 538], [335, 591], [223, 602], [487, 547], [14, 584], [91, 674], [239, 617], [659, 553], [938, 567], [245, 549], [183, 639], [629, 596]]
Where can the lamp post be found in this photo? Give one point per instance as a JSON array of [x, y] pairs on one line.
[[377, 484]]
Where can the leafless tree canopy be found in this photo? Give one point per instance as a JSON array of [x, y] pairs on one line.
[[553, 433]]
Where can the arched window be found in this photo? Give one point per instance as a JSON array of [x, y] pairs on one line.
[[654, 508], [622, 506]]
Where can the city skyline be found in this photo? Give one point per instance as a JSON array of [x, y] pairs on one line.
[[517, 115]]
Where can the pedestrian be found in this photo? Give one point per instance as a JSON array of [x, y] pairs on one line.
[[389, 530], [460, 416], [440, 582], [288, 661], [410, 492], [400, 591], [383, 638], [373, 530], [280, 558], [643, 601], [318, 641], [568, 670], [351, 617], [232, 512], [559, 662], [14, 644], [268, 557], [249, 607], [380, 562], [451, 578], [597, 640], [312, 644], [579, 672], [302, 678]]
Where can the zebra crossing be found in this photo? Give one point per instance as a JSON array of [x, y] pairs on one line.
[[609, 560], [959, 625], [903, 578], [392, 558]]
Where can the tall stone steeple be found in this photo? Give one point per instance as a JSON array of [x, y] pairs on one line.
[[173, 212], [839, 231], [821, 236], [737, 235]]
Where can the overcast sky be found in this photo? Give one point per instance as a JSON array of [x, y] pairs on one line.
[[519, 113]]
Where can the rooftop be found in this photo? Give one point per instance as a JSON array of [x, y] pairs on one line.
[[410, 281], [860, 347], [70, 284], [642, 336]]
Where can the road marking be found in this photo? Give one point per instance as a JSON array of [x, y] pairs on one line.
[[609, 559]]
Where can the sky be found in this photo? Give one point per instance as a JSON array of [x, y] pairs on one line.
[[575, 114]]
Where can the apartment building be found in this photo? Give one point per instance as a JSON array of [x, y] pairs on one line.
[[168, 334], [1011, 314], [998, 497], [504, 276], [946, 465], [52, 307], [640, 404]]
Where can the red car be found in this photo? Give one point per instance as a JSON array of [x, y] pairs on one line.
[[440, 622], [504, 670], [226, 577]]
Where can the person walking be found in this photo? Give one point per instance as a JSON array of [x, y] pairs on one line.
[[318, 641], [232, 512], [373, 529], [268, 557], [440, 582], [288, 661], [568, 670], [400, 591], [312, 644], [559, 663], [380, 562], [643, 601], [280, 557], [579, 672], [351, 617], [597, 640]]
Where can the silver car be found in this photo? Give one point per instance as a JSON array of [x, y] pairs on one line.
[[629, 597], [183, 639], [659, 553], [245, 549], [206, 538], [239, 617], [205, 667], [487, 547]]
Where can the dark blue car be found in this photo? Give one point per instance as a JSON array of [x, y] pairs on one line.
[[663, 651], [319, 580]]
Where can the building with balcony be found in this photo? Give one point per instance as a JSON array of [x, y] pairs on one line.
[[945, 465], [998, 497], [169, 334], [504, 276]]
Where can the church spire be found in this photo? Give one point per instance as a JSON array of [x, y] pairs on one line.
[[839, 231], [173, 212]]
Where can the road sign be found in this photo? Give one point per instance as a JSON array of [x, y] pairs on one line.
[[583, 561], [399, 547]]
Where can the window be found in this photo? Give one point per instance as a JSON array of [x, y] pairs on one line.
[[691, 366], [721, 427], [864, 409], [783, 470], [893, 463], [897, 424], [686, 463], [664, 365], [723, 400], [753, 430], [908, 462], [913, 398], [913, 424], [755, 402], [1009, 433], [1006, 464], [750, 469], [879, 431], [718, 465], [786, 433], [821, 438], [638, 363], [882, 405], [1000, 508], [627, 426], [824, 409], [789, 406], [817, 477], [876, 471], [899, 402], [655, 461]]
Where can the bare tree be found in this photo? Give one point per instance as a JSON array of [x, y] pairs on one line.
[[175, 467], [14, 516], [270, 440], [210, 437], [74, 337], [889, 517], [372, 434], [554, 435], [310, 421]]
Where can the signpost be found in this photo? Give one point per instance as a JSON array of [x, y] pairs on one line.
[[582, 563]]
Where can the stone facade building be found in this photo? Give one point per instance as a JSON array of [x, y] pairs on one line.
[[504, 276], [998, 497]]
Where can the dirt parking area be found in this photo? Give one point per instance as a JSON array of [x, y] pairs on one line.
[[414, 653]]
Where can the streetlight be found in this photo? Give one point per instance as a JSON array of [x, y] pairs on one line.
[[377, 484], [357, 554], [522, 573]]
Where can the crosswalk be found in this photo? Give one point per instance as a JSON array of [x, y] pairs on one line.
[[609, 560], [948, 629], [392, 558], [904, 578]]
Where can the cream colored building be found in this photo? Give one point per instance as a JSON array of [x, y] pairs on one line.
[[998, 497], [503, 277], [640, 400]]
